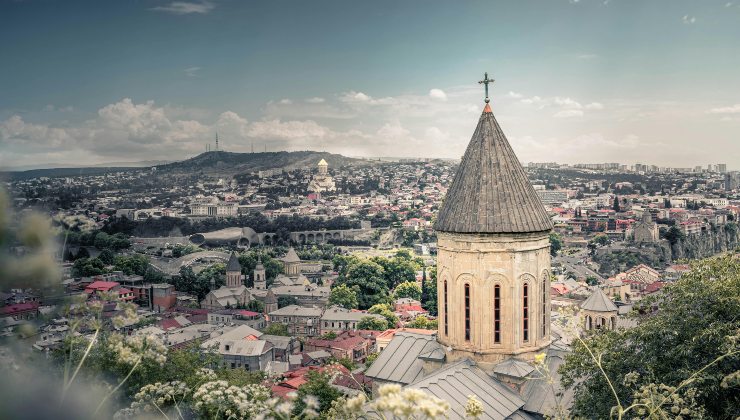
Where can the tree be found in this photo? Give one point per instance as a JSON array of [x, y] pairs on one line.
[[423, 322], [256, 306], [600, 239], [284, 301], [556, 243], [430, 304], [398, 269], [107, 257], [372, 323], [690, 330], [276, 328], [82, 253], [616, 204], [408, 289], [385, 310], [344, 296], [368, 277], [319, 386]]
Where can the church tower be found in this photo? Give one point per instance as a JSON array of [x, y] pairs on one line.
[[493, 261], [260, 276], [233, 272]]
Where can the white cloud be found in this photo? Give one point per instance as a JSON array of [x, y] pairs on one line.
[[595, 105], [316, 100], [438, 94], [184, 7], [515, 95], [568, 113], [288, 130], [688, 19], [191, 71], [567, 103], [734, 109], [728, 4], [286, 102]]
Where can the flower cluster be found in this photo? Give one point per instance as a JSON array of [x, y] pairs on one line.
[[663, 401], [407, 403], [128, 315], [206, 375], [218, 399], [473, 408], [155, 398], [134, 349]]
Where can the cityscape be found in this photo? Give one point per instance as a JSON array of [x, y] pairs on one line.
[[154, 264]]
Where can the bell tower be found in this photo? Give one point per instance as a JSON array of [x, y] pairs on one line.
[[493, 261]]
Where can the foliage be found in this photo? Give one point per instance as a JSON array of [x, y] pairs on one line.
[[366, 277], [673, 235], [276, 328], [556, 243], [385, 310], [87, 267], [599, 239], [319, 387], [423, 322], [344, 296], [690, 330], [284, 301], [135, 264], [408, 289], [200, 284], [255, 305], [430, 304], [372, 323]]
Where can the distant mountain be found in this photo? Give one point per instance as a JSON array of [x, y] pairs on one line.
[[229, 163], [62, 172]]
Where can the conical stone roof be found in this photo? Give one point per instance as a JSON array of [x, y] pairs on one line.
[[490, 192], [599, 302], [233, 264]]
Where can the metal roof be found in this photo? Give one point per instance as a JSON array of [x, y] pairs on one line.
[[455, 382], [514, 368], [399, 362], [491, 192]]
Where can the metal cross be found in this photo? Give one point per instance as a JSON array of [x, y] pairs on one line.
[[486, 81]]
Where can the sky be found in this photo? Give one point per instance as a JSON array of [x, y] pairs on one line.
[[576, 81]]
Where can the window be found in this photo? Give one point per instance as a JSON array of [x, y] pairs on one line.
[[525, 312], [445, 307], [497, 314], [467, 312], [544, 307]]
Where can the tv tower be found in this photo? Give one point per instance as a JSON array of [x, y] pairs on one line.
[[217, 141]]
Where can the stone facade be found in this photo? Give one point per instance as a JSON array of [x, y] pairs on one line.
[[514, 262]]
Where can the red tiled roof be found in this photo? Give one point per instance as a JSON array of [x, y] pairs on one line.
[[102, 285], [18, 307]]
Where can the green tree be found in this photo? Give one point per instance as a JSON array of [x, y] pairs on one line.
[[276, 328], [344, 296], [385, 310], [423, 322], [284, 301], [107, 257], [319, 386], [408, 289], [368, 277], [255, 306], [372, 323], [556, 243], [431, 302], [690, 330]]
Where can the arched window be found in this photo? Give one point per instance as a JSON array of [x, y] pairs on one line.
[[525, 312], [497, 314], [467, 312], [445, 307], [544, 308]]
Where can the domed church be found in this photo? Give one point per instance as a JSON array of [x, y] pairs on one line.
[[493, 292]]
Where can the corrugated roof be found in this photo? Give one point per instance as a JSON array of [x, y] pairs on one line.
[[514, 368], [599, 302], [539, 393], [490, 192], [455, 382], [399, 362]]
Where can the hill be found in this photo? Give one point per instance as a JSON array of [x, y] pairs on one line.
[[229, 163]]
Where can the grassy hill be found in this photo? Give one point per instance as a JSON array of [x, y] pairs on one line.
[[228, 163]]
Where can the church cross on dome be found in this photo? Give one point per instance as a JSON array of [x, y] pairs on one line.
[[486, 81]]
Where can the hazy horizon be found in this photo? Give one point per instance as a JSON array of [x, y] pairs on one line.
[[577, 81]]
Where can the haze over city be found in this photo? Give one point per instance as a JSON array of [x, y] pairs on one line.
[[576, 81]]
